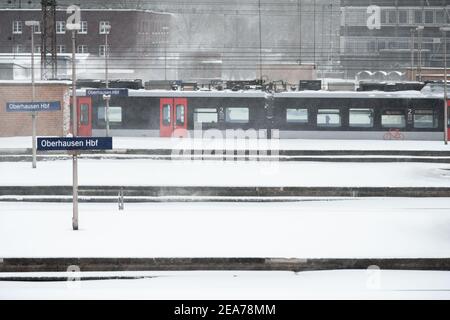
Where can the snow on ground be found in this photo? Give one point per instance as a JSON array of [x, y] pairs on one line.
[[236, 144], [226, 173], [351, 284], [364, 228]]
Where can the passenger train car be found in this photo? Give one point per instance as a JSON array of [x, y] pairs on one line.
[[408, 115]]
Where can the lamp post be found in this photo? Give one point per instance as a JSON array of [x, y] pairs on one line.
[[107, 29], [32, 25], [412, 55], [419, 36], [444, 30]]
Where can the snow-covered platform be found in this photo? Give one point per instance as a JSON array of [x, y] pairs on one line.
[[349, 284], [376, 228], [226, 173], [144, 143]]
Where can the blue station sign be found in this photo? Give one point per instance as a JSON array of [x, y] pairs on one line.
[[33, 106], [107, 92], [78, 143]]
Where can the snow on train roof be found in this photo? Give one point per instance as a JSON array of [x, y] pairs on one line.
[[356, 94], [291, 94], [192, 94]]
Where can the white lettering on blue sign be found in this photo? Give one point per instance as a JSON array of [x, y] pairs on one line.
[[33, 106]]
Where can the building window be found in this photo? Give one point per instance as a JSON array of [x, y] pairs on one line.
[[418, 17], [392, 17], [403, 17], [102, 50], [82, 49], [425, 119], [237, 115], [441, 17], [393, 119], [205, 115], [18, 48], [361, 118], [297, 115], [17, 27], [84, 27], [60, 27], [429, 16], [37, 29], [104, 27], [37, 49], [61, 48], [329, 118]]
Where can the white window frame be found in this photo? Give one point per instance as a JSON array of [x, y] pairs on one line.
[[37, 29], [84, 28], [17, 27], [82, 46], [18, 48], [102, 50], [60, 27], [102, 25], [59, 47]]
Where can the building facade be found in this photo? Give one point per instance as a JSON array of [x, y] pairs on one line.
[[134, 41], [397, 45]]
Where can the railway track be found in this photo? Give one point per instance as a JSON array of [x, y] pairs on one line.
[[195, 193]]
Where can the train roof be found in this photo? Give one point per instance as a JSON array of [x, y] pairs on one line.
[[291, 94]]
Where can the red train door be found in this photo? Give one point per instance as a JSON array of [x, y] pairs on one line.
[[173, 117], [84, 116], [84, 112]]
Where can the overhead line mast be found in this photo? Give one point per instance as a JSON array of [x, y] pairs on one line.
[[49, 60]]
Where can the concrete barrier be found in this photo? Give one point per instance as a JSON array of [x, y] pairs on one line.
[[242, 192], [10, 265]]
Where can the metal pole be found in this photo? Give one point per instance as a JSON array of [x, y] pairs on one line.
[[34, 114], [420, 35], [413, 78], [165, 57], [445, 91], [107, 82], [260, 43], [75, 133]]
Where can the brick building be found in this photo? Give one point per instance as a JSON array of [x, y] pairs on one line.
[[136, 40], [390, 48], [54, 123]]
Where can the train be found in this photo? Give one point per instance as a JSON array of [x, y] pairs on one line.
[[371, 115]]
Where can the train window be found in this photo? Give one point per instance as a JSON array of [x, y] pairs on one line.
[[84, 114], [297, 115], [167, 118], [425, 119], [205, 115], [180, 115], [362, 118], [115, 114], [237, 115], [329, 118], [393, 119]]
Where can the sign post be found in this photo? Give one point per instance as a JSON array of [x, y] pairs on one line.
[[32, 25], [74, 144], [74, 24]]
